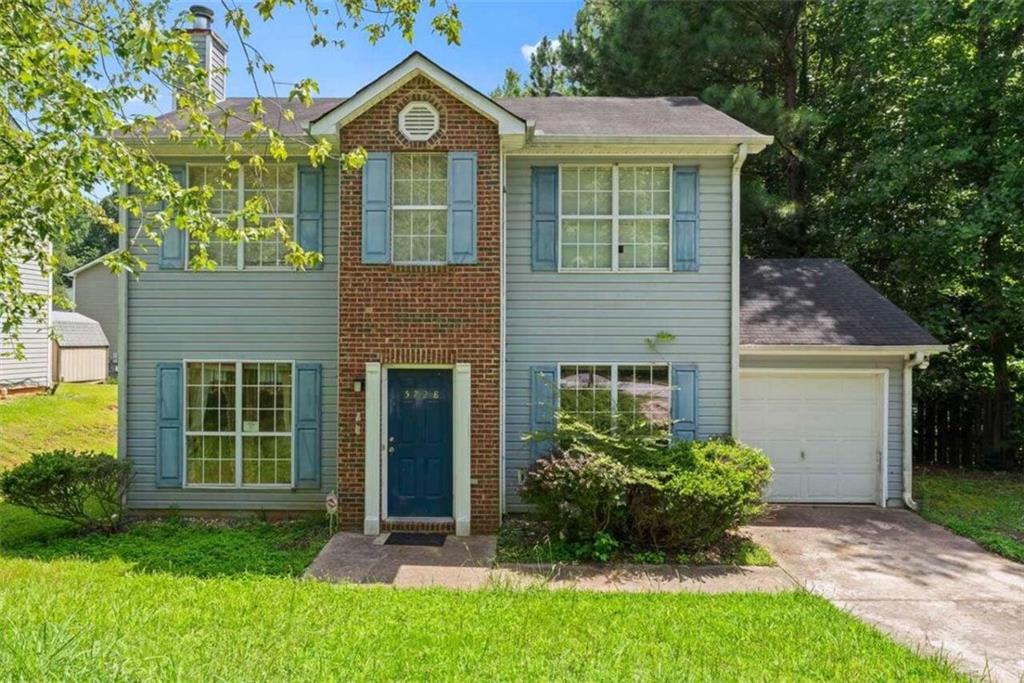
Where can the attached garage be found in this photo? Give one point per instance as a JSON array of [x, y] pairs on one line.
[[824, 431], [825, 379]]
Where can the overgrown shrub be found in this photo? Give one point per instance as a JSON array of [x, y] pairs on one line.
[[710, 488], [579, 495], [632, 483], [86, 489]]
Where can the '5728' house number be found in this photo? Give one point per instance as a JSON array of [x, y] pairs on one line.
[[420, 394]]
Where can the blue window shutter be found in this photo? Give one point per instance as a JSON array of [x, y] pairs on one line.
[[462, 207], [377, 208], [684, 402], [172, 248], [543, 397], [309, 232], [544, 218], [685, 219], [170, 398], [308, 383]]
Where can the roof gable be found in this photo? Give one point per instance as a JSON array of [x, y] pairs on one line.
[[410, 67]]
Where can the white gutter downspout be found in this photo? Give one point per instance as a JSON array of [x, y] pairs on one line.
[[734, 313], [912, 361], [501, 354], [122, 335]]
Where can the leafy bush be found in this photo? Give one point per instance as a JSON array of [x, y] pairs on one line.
[[648, 493], [86, 489], [712, 487], [579, 495]]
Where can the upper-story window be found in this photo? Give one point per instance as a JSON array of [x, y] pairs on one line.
[[615, 218], [420, 209], [275, 183]]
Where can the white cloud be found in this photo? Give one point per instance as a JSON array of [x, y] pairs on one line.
[[528, 50]]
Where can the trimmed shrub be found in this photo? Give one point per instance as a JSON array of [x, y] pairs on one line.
[[86, 489], [578, 495]]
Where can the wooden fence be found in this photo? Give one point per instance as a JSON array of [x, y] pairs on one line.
[[963, 432]]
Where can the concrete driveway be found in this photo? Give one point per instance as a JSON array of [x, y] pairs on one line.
[[925, 586]]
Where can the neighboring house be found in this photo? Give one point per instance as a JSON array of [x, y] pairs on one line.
[[94, 293], [32, 372], [489, 253], [80, 349]]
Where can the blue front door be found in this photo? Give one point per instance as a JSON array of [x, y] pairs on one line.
[[419, 443]]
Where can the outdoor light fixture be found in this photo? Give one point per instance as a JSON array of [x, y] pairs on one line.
[[357, 386]]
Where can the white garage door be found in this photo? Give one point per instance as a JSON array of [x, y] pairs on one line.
[[822, 432]]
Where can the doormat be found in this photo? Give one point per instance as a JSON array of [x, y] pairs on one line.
[[406, 538]]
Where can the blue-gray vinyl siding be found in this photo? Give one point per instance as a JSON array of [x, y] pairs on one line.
[[33, 369], [894, 364], [232, 315], [554, 317]]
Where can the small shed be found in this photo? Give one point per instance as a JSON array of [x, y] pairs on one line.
[[80, 350]]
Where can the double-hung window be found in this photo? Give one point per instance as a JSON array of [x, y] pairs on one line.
[[274, 185], [615, 217], [238, 428], [598, 393], [420, 209]]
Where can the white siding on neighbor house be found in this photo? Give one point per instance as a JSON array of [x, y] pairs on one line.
[[894, 364], [554, 317], [34, 370], [232, 315]]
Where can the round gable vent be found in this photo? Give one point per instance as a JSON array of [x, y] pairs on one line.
[[418, 121]]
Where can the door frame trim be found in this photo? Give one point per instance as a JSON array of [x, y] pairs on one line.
[[883, 386], [375, 499]]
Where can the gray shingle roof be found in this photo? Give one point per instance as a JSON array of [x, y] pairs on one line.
[[572, 116], [624, 116], [819, 302], [74, 330], [274, 106]]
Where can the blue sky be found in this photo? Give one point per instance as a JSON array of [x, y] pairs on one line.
[[494, 35]]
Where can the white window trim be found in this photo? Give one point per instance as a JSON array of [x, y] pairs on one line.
[[416, 207], [240, 187], [615, 218], [238, 433], [615, 380]]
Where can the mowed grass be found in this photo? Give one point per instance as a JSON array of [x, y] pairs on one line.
[[984, 506], [81, 417], [76, 620]]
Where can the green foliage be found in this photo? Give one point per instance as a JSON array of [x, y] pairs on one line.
[[182, 547], [86, 489], [985, 507], [705, 490], [628, 481], [579, 494], [75, 74]]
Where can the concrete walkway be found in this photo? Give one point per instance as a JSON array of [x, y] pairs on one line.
[[923, 585], [467, 563]]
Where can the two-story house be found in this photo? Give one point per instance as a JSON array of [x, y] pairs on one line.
[[492, 258]]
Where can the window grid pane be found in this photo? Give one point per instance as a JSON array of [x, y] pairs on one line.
[[266, 423], [223, 183], [643, 393], [420, 203], [586, 391], [275, 185], [210, 423]]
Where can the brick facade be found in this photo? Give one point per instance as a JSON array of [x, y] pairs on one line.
[[422, 314]]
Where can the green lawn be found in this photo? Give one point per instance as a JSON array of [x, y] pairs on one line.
[[78, 416], [986, 507], [80, 620]]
